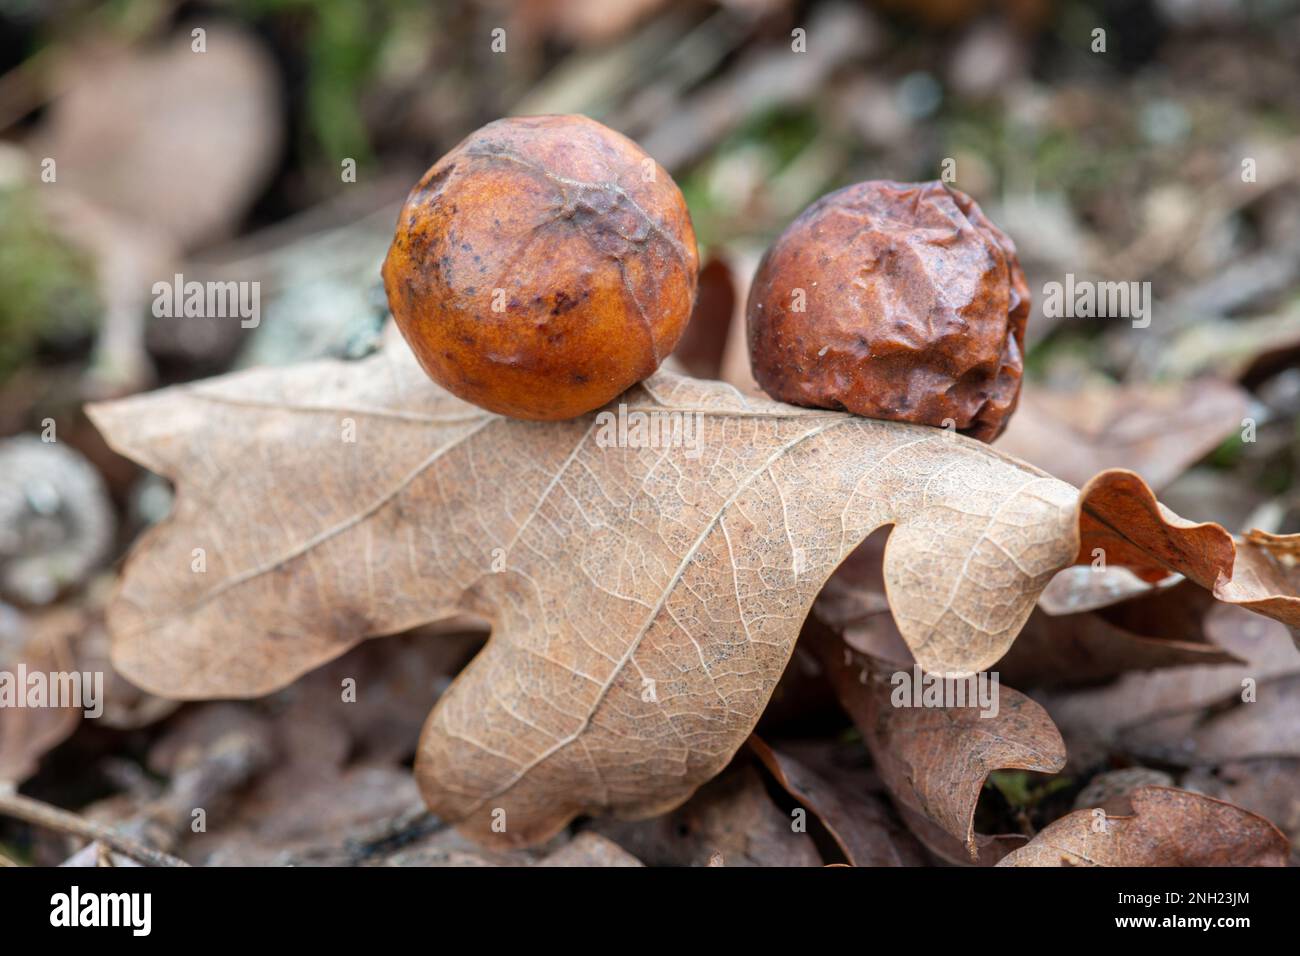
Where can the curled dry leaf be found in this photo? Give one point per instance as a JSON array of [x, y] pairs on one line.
[[644, 600], [1168, 828], [934, 760], [1120, 516], [856, 819], [1284, 547]]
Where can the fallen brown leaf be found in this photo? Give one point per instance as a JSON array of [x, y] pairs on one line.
[[1161, 628], [856, 820], [1087, 649], [1285, 547], [1267, 786], [644, 600], [1152, 628], [1120, 517], [1168, 828], [934, 760]]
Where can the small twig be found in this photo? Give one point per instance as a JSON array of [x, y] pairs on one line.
[[42, 814], [393, 833]]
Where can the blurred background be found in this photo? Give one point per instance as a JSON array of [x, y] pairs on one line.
[[1152, 140], [273, 141]]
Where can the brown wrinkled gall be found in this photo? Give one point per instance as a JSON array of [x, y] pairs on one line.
[[891, 300], [542, 267]]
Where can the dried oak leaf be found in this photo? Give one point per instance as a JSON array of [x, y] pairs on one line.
[[856, 820], [934, 760], [1267, 786], [644, 600], [1168, 828], [1120, 516]]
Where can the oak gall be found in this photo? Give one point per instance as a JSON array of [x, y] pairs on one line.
[[892, 300], [542, 267]]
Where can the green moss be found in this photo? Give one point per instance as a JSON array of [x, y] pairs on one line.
[[1024, 790], [1229, 453], [47, 288], [343, 43], [21, 856], [785, 132], [1084, 347], [780, 134]]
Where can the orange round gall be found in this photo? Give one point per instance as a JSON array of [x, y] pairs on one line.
[[542, 267]]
